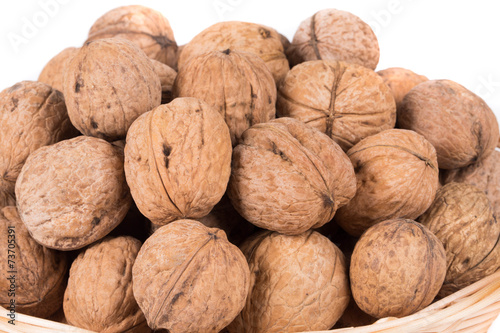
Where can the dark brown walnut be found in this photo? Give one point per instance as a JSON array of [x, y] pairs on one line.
[[240, 36], [400, 81], [145, 27], [40, 274], [457, 122], [167, 77], [333, 34], [238, 84], [397, 177], [348, 102], [298, 283], [462, 217], [107, 85], [397, 268], [189, 278], [73, 193], [53, 72], [178, 160], [289, 177], [99, 295], [32, 115]]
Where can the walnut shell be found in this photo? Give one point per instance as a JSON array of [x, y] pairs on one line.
[[167, 77], [348, 102], [457, 122], [145, 27], [240, 36], [40, 273], [289, 177], [332, 34], [397, 268], [53, 72], [397, 176], [298, 283], [462, 218], [189, 278], [238, 84], [107, 85], [32, 115], [400, 81], [178, 160], [72, 193]]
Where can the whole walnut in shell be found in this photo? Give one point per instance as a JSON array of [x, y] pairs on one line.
[[238, 84], [397, 268], [107, 85], [333, 34], [40, 274], [189, 278], [457, 122], [53, 72], [99, 295], [397, 176], [298, 283], [348, 102], [461, 216], [400, 81], [72, 193], [289, 177], [178, 160], [167, 77]]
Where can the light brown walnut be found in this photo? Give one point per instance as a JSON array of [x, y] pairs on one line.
[[400, 81], [53, 72]]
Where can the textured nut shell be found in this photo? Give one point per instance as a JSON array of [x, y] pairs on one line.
[[41, 272], [298, 283], [167, 77], [397, 268], [73, 193], [397, 176], [178, 160], [145, 27], [189, 278], [240, 36], [457, 122], [107, 85], [238, 84], [400, 81], [346, 101], [32, 115], [99, 295], [333, 34], [461, 217], [53, 72]]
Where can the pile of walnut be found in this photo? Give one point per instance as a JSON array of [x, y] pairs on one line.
[[211, 188]]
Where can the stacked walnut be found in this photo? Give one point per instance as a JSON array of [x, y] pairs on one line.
[[276, 199]]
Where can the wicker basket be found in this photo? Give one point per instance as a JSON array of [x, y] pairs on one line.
[[472, 309]]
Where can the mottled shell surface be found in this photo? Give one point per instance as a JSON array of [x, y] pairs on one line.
[[167, 77], [53, 72], [400, 81]]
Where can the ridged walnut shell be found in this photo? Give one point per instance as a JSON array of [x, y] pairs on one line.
[[461, 217], [397, 177], [289, 177], [457, 122], [40, 274], [73, 193], [333, 34], [107, 85], [189, 278], [238, 84], [178, 160], [167, 77], [348, 102], [397, 268], [53, 72], [400, 81], [298, 283]]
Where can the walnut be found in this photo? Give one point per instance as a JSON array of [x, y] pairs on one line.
[[400, 81], [298, 283], [333, 34], [462, 218], [167, 77], [72, 193], [397, 268], [189, 278], [32, 115], [238, 84], [53, 72], [397, 176], [178, 160], [457, 122], [145, 27], [107, 85], [289, 177], [348, 102], [40, 273]]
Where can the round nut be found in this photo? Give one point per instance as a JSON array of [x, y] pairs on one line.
[[53, 72], [400, 81]]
